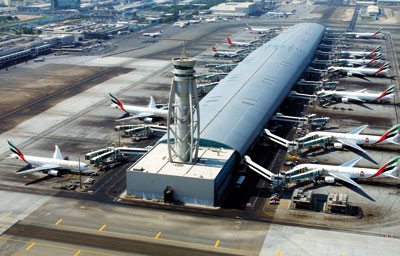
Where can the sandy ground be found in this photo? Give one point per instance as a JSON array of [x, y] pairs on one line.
[[392, 17], [343, 14], [24, 17]]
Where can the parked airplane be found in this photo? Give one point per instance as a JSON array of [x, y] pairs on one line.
[[258, 30], [354, 138], [359, 62], [236, 43], [361, 71], [226, 54], [195, 21], [140, 112], [211, 19], [345, 172], [361, 54], [281, 14], [180, 24], [51, 166], [359, 96], [364, 35], [155, 34]]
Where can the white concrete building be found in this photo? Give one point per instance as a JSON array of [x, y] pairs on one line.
[[240, 9]]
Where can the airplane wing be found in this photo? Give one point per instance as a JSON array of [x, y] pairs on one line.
[[37, 169], [358, 130], [141, 115], [361, 91], [345, 178], [351, 144], [351, 163]]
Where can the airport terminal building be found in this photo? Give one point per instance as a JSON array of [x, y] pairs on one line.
[[232, 116]]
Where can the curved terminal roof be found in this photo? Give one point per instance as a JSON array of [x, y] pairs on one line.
[[237, 109]]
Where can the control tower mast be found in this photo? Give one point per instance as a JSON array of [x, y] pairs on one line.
[[184, 115]]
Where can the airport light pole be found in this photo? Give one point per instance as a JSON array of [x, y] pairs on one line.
[[80, 173]]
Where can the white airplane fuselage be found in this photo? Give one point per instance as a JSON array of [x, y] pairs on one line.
[[360, 54], [225, 54], [240, 44], [279, 14], [62, 164], [363, 35], [360, 62], [360, 95], [359, 139], [153, 111], [351, 172], [360, 70]]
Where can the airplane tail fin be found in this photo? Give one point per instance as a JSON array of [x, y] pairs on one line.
[[377, 32], [16, 152], [384, 66], [249, 27], [152, 103], [392, 174], [57, 153], [229, 40], [390, 134], [377, 49], [161, 31], [388, 91], [214, 50], [116, 102], [388, 168], [377, 57]]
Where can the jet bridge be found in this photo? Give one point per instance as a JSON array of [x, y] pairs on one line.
[[281, 180], [309, 120], [290, 145], [141, 130], [296, 95], [277, 181], [295, 147], [113, 154], [318, 84]]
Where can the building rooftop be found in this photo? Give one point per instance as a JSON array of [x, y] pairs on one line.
[[233, 114], [231, 6], [209, 165]]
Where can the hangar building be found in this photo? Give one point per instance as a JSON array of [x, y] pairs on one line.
[[232, 116]]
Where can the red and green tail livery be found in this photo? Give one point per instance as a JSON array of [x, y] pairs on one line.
[[389, 134], [16, 151], [388, 91], [117, 102], [389, 166]]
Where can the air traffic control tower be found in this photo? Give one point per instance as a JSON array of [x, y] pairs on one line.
[[232, 116]]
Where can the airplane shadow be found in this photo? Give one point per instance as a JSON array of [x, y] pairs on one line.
[[349, 186], [124, 115], [312, 152], [363, 155], [47, 177], [357, 190], [361, 104]]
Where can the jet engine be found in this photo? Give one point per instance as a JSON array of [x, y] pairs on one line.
[[338, 145], [329, 180], [349, 74], [53, 172], [345, 100], [148, 119]]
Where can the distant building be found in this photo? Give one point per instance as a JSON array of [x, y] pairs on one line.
[[16, 3], [65, 4], [388, 2], [235, 9]]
